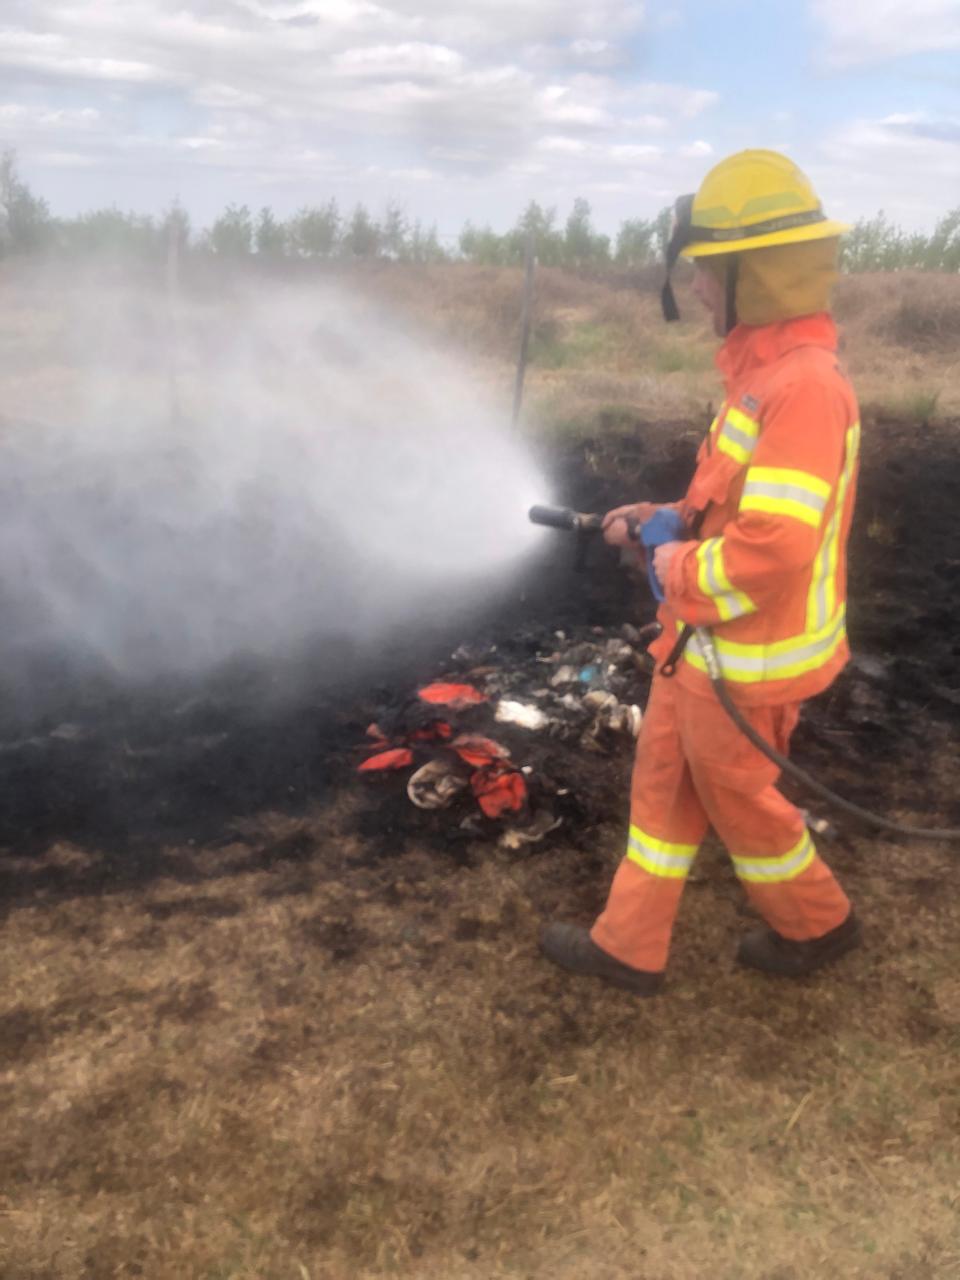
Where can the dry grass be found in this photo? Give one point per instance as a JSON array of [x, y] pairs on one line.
[[332, 1070], [600, 343], [600, 351]]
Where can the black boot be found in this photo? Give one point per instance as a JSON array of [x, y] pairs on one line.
[[767, 950], [572, 948]]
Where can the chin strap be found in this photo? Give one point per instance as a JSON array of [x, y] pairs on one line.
[[680, 235], [730, 306]]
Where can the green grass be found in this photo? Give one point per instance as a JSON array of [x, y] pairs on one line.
[[582, 346], [916, 404], [675, 357]]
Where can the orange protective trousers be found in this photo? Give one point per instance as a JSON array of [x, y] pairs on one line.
[[694, 769]]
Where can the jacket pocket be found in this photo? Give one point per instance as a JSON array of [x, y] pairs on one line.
[[712, 482]]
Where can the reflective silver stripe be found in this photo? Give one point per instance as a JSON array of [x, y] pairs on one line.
[[771, 661], [730, 602], [738, 435], [823, 588], [741, 437], [791, 492], [779, 869]]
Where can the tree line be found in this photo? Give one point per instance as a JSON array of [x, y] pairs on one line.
[[325, 232]]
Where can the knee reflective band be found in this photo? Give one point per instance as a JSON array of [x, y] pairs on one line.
[[776, 870], [660, 857]]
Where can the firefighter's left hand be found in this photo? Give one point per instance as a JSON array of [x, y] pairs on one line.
[[663, 558]]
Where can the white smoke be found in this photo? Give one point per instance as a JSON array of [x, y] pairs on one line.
[[240, 474]]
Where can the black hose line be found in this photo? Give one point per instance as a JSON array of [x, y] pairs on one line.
[[715, 672]]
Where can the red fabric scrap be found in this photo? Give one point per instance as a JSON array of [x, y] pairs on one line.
[[458, 696], [399, 755], [396, 758], [478, 751], [499, 789]]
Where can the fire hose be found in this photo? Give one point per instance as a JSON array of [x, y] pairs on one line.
[[665, 526]]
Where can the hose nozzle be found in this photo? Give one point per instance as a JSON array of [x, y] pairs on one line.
[[566, 518]]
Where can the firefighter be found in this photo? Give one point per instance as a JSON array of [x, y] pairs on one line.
[[764, 566]]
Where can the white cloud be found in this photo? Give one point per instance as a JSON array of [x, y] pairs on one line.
[[696, 150], [906, 164], [401, 60], [674, 99], [858, 31], [565, 146], [630, 153], [490, 94]]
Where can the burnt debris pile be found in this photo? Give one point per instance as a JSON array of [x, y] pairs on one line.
[[510, 739]]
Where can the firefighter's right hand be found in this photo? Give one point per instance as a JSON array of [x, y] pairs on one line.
[[616, 531]]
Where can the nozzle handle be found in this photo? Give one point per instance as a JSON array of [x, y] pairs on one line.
[[666, 525]]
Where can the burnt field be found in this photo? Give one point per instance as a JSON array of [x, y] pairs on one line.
[[263, 1017]]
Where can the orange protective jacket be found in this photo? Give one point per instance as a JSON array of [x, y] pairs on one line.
[[776, 478]]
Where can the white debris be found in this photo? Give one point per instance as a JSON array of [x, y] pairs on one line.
[[564, 675], [516, 837], [522, 713], [435, 785], [599, 700]]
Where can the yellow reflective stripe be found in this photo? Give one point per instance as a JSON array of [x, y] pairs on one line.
[[806, 480], [783, 660], [660, 857], [777, 870], [738, 435], [739, 421], [822, 599], [782, 491], [715, 585]]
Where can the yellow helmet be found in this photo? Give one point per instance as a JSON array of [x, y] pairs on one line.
[[750, 200], [754, 199]]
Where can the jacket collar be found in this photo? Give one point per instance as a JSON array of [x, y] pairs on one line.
[[750, 347]]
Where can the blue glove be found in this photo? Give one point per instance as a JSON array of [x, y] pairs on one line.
[[666, 526]]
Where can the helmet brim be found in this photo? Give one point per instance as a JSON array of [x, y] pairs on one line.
[[795, 235]]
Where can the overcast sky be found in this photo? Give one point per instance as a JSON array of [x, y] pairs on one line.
[[469, 108]]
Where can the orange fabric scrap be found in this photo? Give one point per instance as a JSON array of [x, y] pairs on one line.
[[396, 758], [458, 696]]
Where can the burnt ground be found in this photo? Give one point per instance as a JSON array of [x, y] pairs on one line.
[[264, 1018], [144, 772]]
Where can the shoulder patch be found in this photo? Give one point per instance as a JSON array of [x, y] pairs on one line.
[[750, 402]]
